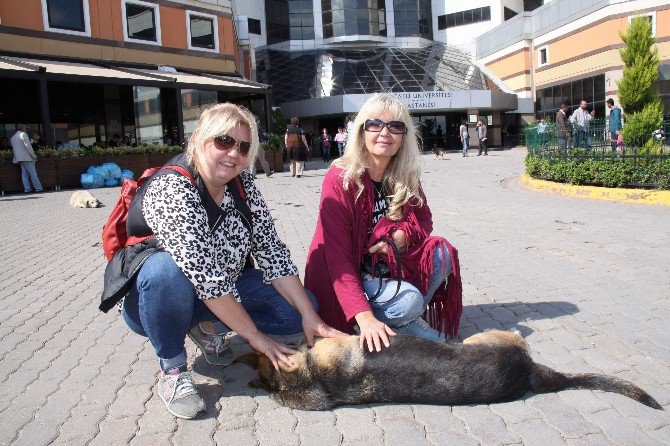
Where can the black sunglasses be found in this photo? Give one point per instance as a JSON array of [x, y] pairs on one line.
[[377, 125], [225, 142]]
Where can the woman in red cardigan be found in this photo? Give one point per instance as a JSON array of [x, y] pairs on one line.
[[370, 194]]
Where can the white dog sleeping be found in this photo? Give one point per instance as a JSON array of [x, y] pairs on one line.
[[83, 199]]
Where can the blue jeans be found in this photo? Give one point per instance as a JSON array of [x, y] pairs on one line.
[[582, 135], [466, 144], [28, 170], [409, 304], [340, 147], [326, 153], [162, 305]]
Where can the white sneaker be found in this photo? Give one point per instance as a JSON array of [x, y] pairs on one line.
[[179, 393]]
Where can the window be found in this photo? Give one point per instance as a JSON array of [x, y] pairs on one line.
[[254, 26], [66, 16], [413, 18], [543, 56], [141, 22], [461, 18], [353, 17], [202, 31], [509, 13]]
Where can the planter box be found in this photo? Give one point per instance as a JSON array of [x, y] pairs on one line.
[[10, 177], [69, 170], [159, 159], [46, 172], [274, 159]]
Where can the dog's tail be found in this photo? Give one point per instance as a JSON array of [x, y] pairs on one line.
[[544, 380]]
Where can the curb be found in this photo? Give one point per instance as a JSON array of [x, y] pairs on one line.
[[638, 196]]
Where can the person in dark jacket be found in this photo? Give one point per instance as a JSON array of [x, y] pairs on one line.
[[198, 280], [326, 143], [296, 144]]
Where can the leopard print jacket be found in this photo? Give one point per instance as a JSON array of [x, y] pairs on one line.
[[213, 261]]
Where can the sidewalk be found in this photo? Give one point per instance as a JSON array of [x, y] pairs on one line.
[[587, 283]]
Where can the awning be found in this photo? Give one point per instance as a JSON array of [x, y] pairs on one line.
[[102, 72]]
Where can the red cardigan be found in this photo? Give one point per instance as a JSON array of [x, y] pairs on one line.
[[340, 240]]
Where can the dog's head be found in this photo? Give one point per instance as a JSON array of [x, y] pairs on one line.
[[269, 378], [266, 371], [92, 203]]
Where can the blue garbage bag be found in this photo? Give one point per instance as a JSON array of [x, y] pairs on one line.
[[97, 170], [91, 180], [111, 182], [125, 173], [113, 169]]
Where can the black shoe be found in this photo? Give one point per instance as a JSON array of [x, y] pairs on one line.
[[269, 174], [299, 176]]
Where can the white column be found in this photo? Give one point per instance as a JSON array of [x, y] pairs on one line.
[[390, 20]]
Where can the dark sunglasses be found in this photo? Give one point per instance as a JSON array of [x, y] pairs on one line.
[[225, 142], [377, 125]]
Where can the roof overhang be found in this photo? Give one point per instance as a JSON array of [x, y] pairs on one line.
[[28, 68]]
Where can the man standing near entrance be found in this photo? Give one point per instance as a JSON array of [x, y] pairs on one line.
[[481, 135], [580, 120], [26, 158], [562, 127], [464, 135], [614, 122]]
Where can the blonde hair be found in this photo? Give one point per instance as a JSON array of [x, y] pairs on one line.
[[218, 120], [401, 177]]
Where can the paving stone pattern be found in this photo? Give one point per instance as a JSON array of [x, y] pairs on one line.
[[585, 282]]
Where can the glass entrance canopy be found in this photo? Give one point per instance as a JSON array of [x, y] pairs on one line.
[[320, 73]]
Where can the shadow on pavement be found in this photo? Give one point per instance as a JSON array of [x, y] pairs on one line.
[[508, 315]]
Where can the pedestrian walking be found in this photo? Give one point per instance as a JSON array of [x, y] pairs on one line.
[[262, 136], [481, 135], [615, 122], [341, 140], [326, 143], [296, 144], [464, 136], [25, 157]]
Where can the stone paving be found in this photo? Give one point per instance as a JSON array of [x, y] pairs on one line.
[[586, 283]]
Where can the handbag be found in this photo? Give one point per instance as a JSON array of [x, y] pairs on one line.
[[382, 270]]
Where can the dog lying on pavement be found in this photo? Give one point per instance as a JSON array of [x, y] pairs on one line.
[[488, 367], [83, 199]]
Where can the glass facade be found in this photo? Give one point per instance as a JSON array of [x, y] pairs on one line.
[[141, 22], [148, 117], [320, 73], [193, 102], [202, 32], [464, 18], [413, 18], [289, 20], [590, 89], [354, 17], [66, 14]]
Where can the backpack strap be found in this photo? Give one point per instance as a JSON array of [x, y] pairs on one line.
[[236, 189]]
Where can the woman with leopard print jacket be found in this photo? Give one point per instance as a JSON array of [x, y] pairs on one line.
[[201, 273]]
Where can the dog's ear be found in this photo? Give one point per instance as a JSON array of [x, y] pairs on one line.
[[252, 359]]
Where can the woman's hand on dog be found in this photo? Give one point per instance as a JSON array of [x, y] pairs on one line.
[[374, 333], [314, 326], [273, 350]]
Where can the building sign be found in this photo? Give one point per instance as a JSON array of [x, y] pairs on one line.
[[425, 99]]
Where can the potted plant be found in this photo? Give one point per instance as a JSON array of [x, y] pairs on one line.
[[274, 151]]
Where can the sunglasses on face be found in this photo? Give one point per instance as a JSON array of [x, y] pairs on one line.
[[377, 125], [225, 142]]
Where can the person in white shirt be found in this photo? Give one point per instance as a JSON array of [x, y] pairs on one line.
[[26, 158], [580, 120]]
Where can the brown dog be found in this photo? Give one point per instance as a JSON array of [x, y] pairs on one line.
[[487, 368]]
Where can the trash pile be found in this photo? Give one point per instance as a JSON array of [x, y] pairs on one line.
[[105, 175]]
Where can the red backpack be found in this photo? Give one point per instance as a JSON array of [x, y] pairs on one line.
[[114, 234]]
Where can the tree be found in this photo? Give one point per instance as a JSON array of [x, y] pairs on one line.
[[278, 121], [636, 93]]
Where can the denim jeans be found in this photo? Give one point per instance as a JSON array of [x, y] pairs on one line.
[[340, 147], [409, 304], [162, 305], [482, 146], [28, 170], [466, 144], [582, 135], [326, 153]]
